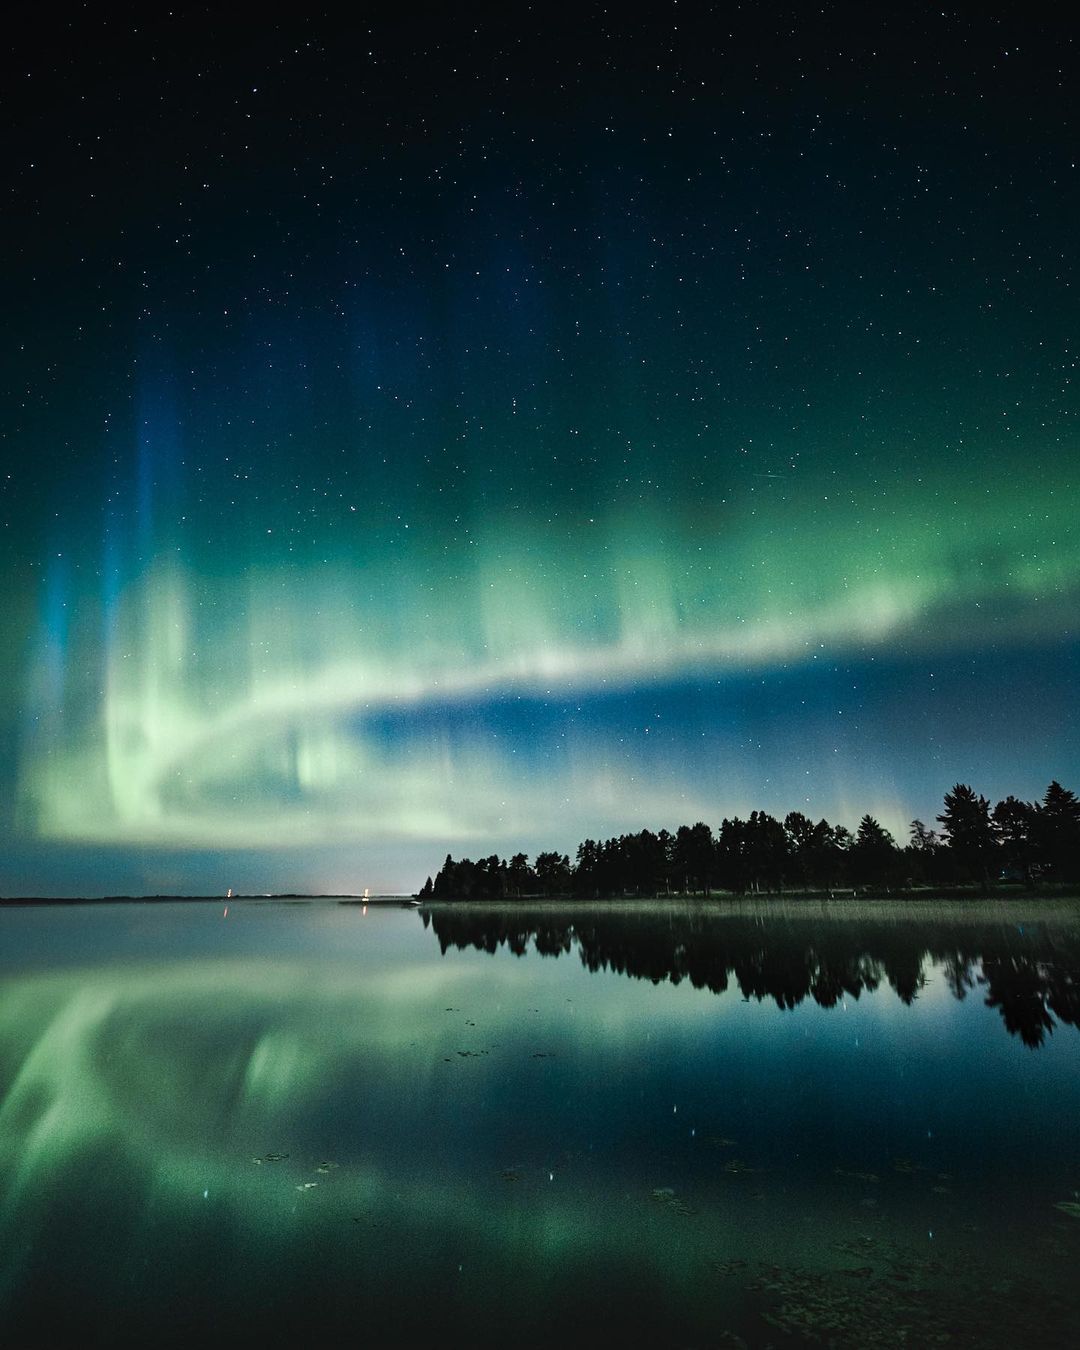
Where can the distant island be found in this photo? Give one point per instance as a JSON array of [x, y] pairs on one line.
[[1014, 844]]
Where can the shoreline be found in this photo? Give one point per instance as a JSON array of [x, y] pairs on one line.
[[968, 905], [1035, 907], [283, 898]]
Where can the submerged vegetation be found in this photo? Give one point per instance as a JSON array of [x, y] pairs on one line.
[[1015, 841]]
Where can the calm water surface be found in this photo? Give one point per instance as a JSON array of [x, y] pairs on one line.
[[481, 1126]]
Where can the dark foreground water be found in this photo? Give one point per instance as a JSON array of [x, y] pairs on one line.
[[608, 1125]]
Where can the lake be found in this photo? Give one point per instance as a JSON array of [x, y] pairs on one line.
[[662, 1124]]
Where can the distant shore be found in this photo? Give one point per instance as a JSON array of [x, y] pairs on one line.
[[288, 898], [967, 896]]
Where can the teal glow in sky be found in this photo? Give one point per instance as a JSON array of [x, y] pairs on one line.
[[507, 438]]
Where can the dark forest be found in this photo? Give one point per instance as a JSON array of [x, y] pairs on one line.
[[1014, 843]]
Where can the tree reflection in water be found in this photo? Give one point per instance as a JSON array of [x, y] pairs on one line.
[[1030, 975]]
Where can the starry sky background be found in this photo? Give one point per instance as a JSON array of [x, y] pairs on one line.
[[474, 431]]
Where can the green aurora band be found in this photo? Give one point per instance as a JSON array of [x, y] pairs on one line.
[[230, 711]]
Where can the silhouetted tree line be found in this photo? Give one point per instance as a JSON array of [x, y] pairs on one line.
[[1031, 977], [1016, 840]]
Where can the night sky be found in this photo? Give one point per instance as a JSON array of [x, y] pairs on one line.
[[471, 431]]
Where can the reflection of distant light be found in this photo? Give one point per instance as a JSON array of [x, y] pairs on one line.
[[226, 914], [363, 910]]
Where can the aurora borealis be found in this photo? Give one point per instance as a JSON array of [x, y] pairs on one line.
[[473, 433]]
